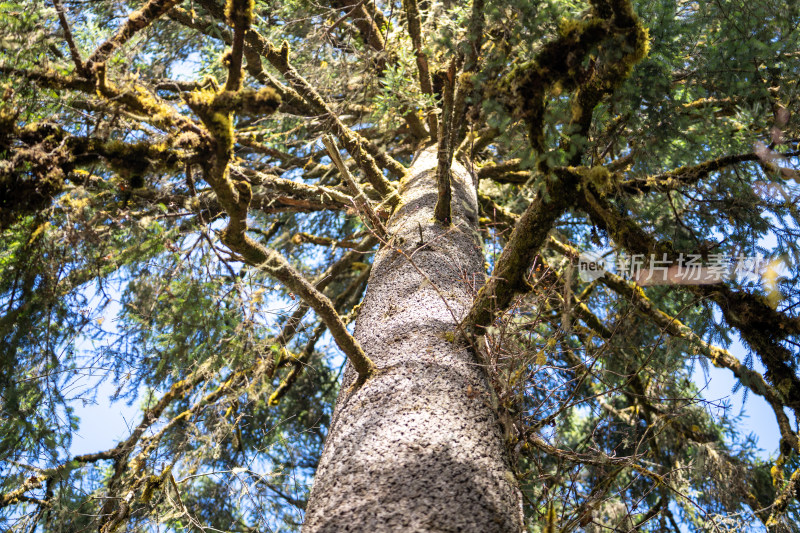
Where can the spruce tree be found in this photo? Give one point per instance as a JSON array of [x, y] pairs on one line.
[[398, 266]]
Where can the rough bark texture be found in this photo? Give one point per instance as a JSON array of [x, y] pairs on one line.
[[419, 446]]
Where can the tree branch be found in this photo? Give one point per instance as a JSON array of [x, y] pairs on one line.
[[73, 49], [511, 268], [240, 15], [719, 357], [442, 212], [423, 71], [137, 21], [364, 152], [761, 326], [235, 198], [362, 202]]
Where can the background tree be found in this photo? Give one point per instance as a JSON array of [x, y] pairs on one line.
[[191, 193]]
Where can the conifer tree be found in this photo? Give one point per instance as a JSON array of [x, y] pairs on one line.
[[365, 265]]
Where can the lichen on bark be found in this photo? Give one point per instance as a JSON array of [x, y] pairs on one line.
[[421, 434]]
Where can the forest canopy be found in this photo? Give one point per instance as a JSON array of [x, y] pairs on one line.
[[192, 194]]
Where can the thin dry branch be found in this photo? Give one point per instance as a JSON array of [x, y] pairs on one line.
[[322, 281], [73, 49], [362, 202], [301, 361], [307, 238]]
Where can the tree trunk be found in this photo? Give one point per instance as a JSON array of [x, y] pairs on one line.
[[419, 446]]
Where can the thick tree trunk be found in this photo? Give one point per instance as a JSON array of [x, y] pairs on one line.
[[419, 446]]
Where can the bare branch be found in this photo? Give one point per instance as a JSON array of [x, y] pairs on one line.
[[362, 202], [73, 49]]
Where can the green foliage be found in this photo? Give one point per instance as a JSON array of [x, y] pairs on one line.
[[112, 262]]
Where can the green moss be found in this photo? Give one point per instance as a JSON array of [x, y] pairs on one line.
[[573, 28], [285, 51], [210, 107], [201, 99], [245, 193], [132, 161], [600, 178], [262, 102], [239, 12]]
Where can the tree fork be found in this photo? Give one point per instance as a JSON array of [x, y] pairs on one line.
[[529, 234]]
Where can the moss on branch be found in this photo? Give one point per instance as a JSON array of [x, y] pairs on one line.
[[43, 156], [235, 197], [559, 66], [529, 234], [759, 324], [137, 21]]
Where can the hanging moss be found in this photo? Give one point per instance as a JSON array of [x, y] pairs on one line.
[[133, 161], [559, 66], [600, 177]]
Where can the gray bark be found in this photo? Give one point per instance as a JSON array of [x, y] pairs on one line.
[[419, 446]]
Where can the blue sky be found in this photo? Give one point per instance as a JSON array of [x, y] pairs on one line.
[[103, 422]]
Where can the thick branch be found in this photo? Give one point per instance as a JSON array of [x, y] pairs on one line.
[[425, 84], [344, 299], [527, 238], [761, 326], [137, 21], [506, 172], [442, 212], [235, 198], [359, 11]]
